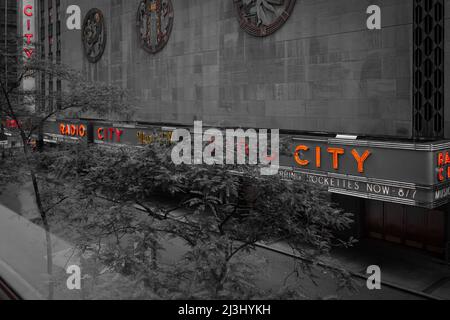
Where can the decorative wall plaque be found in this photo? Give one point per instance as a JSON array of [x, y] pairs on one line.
[[94, 35], [261, 18], [154, 23]]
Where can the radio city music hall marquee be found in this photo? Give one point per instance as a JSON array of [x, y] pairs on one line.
[[105, 133], [405, 173], [416, 174], [131, 136]]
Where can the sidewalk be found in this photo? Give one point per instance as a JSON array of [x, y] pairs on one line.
[[400, 266], [405, 267]]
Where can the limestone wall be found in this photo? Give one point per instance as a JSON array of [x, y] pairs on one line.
[[322, 71]]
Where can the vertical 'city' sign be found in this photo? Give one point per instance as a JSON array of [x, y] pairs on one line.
[[28, 12]]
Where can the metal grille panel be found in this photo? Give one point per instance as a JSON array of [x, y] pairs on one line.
[[428, 69]]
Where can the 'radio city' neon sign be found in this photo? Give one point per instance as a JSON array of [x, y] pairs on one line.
[[443, 168], [73, 130], [335, 154], [28, 27], [109, 134]]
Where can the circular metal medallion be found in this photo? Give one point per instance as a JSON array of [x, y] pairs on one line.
[[94, 35], [261, 18], [154, 24]]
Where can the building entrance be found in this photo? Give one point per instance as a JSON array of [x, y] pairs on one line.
[[415, 227]]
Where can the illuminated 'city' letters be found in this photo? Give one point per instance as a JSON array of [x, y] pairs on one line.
[[335, 154], [361, 159], [28, 27], [109, 134]]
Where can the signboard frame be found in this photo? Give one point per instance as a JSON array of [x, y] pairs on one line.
[[402, 172], [396, 172]]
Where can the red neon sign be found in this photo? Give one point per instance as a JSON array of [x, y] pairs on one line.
[[28, 12], [73, 130], [443, 169], [109, 134], [335, 155]]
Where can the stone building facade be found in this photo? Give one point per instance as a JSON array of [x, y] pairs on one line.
[[322, 71]]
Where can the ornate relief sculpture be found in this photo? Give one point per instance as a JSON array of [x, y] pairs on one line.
[[263, 17], [154, 23], [94, 35]]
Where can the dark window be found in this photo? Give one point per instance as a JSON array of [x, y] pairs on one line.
[[50, 94], [42, 31], [42, 92], [59, 94], [42, 23]]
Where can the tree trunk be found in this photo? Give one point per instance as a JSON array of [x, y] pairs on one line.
[[47, 233], [37, 193]]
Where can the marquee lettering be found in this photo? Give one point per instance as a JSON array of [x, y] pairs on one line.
[[28, 10], [73, 130], [360, 159], [162, 137], [335, 153], [297, 156], [28, 17], [443, 166], [109, 134]]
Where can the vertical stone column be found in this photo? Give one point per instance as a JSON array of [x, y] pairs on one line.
[[428, 69]]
